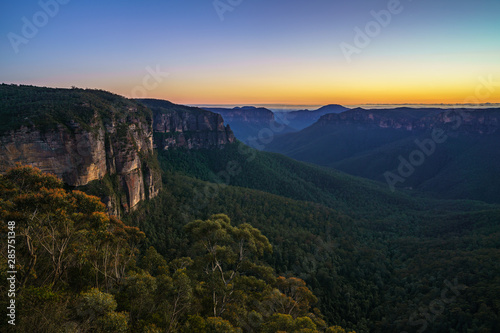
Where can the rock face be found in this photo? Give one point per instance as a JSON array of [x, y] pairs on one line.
[[117, 141], [81, 156], [248, 114], [192, 131], [178, 126], [78, 158], [84, 136]]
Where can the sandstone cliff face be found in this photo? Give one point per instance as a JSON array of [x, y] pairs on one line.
[[81, 154], [84, 136], [177, 126], [192, 131], [461, 120]]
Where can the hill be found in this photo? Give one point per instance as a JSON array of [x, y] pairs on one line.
[[301, 119]]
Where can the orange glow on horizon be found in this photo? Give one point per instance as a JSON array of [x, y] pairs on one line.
[[322, 83], [466, 95]]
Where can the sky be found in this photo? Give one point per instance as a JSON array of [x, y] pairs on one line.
[[258, 51]]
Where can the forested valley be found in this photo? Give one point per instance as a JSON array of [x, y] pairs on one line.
[[232, 240]]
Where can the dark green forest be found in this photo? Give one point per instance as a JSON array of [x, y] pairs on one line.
[[378, 261], [80, 270]]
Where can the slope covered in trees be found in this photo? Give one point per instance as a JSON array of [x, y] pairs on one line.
[[377, 268], [80, 270]]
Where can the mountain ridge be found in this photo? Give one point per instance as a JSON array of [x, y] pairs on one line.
[[301, 119], [380, 142]]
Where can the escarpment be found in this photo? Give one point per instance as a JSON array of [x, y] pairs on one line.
[[81, 136], [89, 136]]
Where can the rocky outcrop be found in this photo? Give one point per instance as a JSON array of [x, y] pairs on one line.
[[192, 131], [78, 158], [178, 126], [84, 136]]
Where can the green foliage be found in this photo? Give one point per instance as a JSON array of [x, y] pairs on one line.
[[62, 233], [219, 325], [239, 165], [115, 322], [39, 309], [337, 329], [65, 244], [97, 311], [286, 323], [95, 303], [225, 252], [278, 322], [154, 262], [371, 257]]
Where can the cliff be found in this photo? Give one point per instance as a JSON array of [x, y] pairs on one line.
[[99, 142], [81, 136], [177, 126]]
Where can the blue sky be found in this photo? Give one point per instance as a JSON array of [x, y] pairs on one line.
[[271, 51]]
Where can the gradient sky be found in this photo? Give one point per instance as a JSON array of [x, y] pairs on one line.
[[273, 51]]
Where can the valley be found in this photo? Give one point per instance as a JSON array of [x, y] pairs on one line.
[[371, 259]]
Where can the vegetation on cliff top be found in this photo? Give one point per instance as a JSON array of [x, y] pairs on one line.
[[45, 108]]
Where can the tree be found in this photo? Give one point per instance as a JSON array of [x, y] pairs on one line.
[[295, 298], [227, 249], [97, 313], [174, 297], [61, 234], [197, 324]]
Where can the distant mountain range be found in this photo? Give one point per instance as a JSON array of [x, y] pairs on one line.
[[303, 118], [256, 126], [452, 153]]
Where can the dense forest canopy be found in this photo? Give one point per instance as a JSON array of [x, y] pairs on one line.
[[376, 268], [80, 270]]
